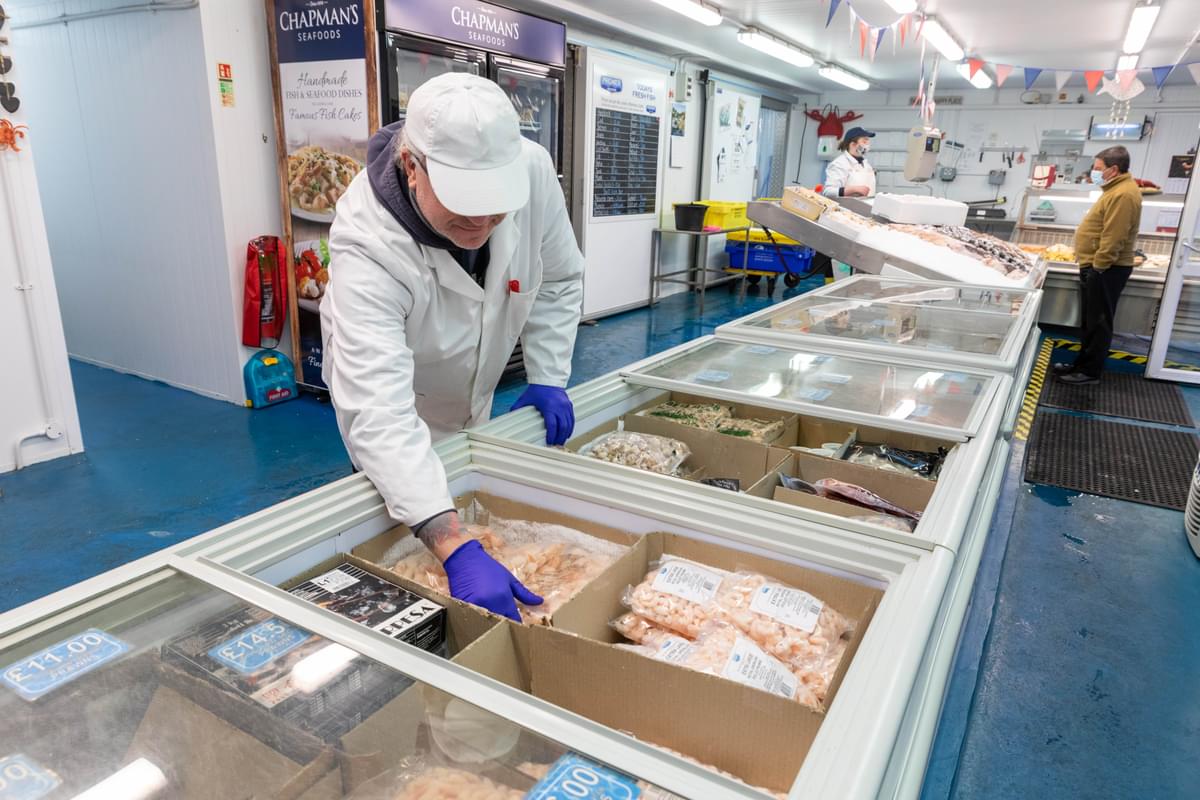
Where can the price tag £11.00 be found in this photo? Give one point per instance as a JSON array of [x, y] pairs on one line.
[[43, 672]]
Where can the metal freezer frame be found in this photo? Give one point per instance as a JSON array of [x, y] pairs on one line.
[[744, 330]]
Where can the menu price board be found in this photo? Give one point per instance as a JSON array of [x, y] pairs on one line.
[[625, 180]]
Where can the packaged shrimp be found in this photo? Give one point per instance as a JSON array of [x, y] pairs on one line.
[[677, 594], [639, 629], [639, 450], [790, 624], [445, 783]]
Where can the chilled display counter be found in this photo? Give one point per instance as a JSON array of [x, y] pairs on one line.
[[849, 474]]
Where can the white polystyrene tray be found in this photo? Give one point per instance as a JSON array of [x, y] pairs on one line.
[[920, 210]]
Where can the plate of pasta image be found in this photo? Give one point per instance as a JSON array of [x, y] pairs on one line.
[[316, 179]]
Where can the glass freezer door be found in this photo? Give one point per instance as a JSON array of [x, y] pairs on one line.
[[536, 94], [977, 326], [1175, 348], [893, 394], [182, 690], [411, 62]]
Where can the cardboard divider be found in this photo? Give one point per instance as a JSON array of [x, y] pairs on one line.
[[906, 491]]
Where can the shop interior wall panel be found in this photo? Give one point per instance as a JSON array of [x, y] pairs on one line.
[[33, 360], [130, 192]]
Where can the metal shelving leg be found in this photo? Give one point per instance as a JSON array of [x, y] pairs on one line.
[[655, 239]]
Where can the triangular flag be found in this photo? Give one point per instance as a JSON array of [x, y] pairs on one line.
[[1061, 76], [1031, 75], [864, 30], [1195, 70], [878, 41], [903, 28], [1002, 73], [833, 7], [974, 65], [1125, 77], [1160, 75], [1093, 77]]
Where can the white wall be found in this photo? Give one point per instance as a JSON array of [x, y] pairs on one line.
[[152, 188], [985, 112], [38, 397]]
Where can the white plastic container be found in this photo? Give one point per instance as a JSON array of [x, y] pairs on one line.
[[920, 210]]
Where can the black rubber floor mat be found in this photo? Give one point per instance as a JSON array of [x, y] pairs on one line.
[[1112, 459], [1121, 394]]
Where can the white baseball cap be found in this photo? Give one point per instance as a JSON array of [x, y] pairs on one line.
[[470, 135]]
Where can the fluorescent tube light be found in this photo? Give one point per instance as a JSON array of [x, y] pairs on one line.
[[981, 79], [1139, 28], [902, 6], [705, 15], [838, 75], [937, 36], [774, 47], [1127, 62], [138, 781]]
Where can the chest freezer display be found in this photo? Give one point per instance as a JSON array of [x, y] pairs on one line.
[[977, 326], [102, 706]]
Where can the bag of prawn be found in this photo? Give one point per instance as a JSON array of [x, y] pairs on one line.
[[677, 594]]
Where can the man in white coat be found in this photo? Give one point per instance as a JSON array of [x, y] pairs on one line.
[[451, 245]]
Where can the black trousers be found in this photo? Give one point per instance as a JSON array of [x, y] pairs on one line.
[[1099, 291]]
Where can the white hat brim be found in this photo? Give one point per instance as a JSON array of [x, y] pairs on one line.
[[481, 192]]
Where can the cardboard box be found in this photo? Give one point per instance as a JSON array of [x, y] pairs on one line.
[[713, 454], [911, 493], [371, 552], [759, 737]]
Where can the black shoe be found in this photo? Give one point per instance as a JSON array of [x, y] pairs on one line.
[[1063, 368], [1079, 379]]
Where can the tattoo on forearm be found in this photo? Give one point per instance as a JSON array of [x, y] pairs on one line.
[[436, 531]]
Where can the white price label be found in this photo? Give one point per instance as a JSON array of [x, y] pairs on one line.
[[789, 606], [335, 580], [750, 666], [674, 650], [687, 580]]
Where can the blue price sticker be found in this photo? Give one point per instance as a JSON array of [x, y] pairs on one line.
[[760, 350], [575, 778], [712, 376], [833, 377], [919, 412], [945, 348], [22, 779], [256, 647], [44, 672], [957, 377], [813, 395], [820, 359]]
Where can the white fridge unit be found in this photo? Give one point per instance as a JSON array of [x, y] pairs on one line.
[[821, 398], [483, 709]]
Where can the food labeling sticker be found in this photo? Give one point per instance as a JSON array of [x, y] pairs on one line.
[[687, 580], [813, 395], [956, 377], [712, 376], [761, 350], [920, 411], [45, 671], [789, 606], [335, 580], [22, 779], [674, 650], [256, 647], [820, 359], [750, 666], [573, 777], [880, 323], [945, 348], [833, 377]]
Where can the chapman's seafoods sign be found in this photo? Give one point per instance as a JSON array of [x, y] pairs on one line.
[[481, 25]]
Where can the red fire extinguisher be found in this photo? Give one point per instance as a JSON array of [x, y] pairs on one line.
[[265, 297]]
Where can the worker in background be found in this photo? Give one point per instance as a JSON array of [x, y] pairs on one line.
[[1104, 244], [451, 245], [850, 175]]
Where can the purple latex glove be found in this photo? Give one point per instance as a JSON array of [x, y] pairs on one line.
[[555, 408], [475, 577]]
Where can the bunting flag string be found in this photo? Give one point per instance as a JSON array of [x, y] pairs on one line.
[[865, 31], [878, 41], [1160, 75], [1195, 70], [1061, 76], [1093, 76], [1002, 73], [833, 7], [974, 65], [1031, 75]]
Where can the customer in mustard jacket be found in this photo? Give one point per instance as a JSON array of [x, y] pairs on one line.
[[1104, 249]]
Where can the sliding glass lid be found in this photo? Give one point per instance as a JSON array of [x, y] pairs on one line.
[[182, 691], [889, 394], [982, 324]]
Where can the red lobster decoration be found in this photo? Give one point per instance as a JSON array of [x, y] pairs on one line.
[[9, 134], [829, 132]]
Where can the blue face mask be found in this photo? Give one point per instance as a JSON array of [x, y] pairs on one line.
[[1098, 177]]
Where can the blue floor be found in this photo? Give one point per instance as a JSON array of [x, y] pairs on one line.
[[1075, 671]]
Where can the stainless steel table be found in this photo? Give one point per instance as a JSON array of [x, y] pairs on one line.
[[699, 265]]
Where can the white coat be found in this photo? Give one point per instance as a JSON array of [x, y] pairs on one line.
[[413, 348], [846, 171]]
